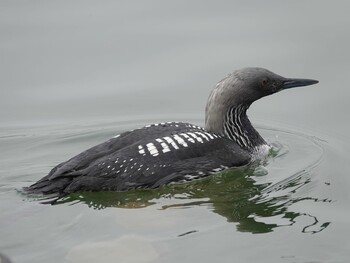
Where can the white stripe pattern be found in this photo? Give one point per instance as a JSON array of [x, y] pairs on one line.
[[141, 150], [196, 137], [203, 135], [209, 135], [180, 140], [164, 145], [187, 137], [176, 141], [152, 149], [171, 141]]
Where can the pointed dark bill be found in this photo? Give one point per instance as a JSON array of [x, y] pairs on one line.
[[293, 83]]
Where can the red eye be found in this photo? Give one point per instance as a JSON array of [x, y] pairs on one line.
[[264, 82]]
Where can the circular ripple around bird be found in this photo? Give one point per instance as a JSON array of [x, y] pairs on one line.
[[258, 199]]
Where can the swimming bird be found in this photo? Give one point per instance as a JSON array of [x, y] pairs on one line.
[[175, 152]]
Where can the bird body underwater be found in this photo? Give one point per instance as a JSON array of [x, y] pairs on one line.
[[175, 152]]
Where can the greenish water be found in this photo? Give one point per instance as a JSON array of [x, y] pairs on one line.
[[293, 204], [76, 73]]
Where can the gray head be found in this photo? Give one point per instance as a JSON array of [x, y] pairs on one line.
[[240, 89]]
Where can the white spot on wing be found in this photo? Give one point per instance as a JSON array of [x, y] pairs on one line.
[[180, 140], [196, 137], [164, 145], [141, 150], [203, 135], [187, 137], [171, 141], [209, 135], [152, 149]]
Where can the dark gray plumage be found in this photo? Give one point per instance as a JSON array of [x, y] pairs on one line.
[[175, 152]]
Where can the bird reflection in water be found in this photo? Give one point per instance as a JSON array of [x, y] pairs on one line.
[[235, 194]]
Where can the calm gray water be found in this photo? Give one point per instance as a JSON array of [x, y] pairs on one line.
[[75, 73]]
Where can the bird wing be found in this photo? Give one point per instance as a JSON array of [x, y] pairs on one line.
[[147, 157]]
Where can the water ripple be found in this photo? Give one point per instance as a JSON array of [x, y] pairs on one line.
[[256, 199]]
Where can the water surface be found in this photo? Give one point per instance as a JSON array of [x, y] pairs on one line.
[[76, 73], [290, 195]]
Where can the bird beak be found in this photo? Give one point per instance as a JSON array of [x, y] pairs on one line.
[[293, 83]]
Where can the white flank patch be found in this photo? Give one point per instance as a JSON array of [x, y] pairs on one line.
[[116, 136], [260, 152]]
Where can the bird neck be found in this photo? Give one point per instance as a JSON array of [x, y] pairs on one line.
[[237, 127]]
